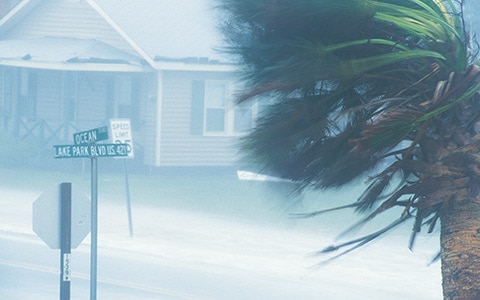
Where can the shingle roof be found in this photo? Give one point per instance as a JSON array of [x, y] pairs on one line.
[[65, 52]]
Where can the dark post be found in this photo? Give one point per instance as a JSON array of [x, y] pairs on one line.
[[65, 238]]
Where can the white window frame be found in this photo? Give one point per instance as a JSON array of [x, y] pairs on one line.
[[229, 107]]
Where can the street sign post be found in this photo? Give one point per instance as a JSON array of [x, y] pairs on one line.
[[85, 146], [121, 132], [94, 235], [65, 239], [61, 221]]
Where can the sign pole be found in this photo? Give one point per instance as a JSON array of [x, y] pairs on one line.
[[65, 238], [94, 229], [129, 205], [85, 145], [121, 131]]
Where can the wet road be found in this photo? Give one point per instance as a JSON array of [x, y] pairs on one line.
[[30, 270]]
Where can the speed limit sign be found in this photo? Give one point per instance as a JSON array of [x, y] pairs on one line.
[[121, 133]]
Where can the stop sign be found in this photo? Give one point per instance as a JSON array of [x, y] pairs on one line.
[[47, 219]]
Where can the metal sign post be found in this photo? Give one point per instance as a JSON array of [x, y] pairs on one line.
[[61, 220], [65, 238], [86, 146], [122, 134], [94, 230], [129, 202]]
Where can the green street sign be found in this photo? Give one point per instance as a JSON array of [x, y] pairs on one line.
[[98, 150], [91, 136]]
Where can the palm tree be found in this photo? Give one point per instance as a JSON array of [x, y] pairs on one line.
[[382, 89]]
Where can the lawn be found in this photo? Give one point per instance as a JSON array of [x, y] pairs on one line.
[[209, 190]]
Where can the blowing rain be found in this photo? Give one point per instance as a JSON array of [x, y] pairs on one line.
[[234, 149]]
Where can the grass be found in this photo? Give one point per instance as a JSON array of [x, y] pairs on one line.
[[208, 190], [201, 190]]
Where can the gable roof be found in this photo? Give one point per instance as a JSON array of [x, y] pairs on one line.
[[20, 9], [167, 28], [164, 33]]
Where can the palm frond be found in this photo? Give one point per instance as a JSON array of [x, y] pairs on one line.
[[321, 212], [354, 81], [355, 67], [373, 192], [357, 243]]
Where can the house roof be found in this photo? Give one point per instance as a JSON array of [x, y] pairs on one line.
[[66, 54], [173, 29], [15, 14], [175, 34]]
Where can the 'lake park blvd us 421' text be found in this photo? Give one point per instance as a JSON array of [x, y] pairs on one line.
[[73, 151]]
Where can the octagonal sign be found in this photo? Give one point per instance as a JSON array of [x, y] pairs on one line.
[[47, 219]]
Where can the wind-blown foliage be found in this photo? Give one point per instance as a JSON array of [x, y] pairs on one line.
[[384, 88]]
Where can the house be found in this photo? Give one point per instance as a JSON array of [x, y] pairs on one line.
[[71, 65]]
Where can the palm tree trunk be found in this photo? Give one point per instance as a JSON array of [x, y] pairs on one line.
[[460, 244]]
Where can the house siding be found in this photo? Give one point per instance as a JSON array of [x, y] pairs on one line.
[[3, 100], [77, 20], [179, 147]]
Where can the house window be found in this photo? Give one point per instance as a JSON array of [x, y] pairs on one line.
[[215, 107], [222, 116]]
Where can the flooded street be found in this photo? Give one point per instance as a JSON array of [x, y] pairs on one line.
[[184, 254]]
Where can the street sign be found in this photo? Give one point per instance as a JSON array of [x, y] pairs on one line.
[[85, 145], [91, 136], [97, 150], [121, 132], [47, 218]]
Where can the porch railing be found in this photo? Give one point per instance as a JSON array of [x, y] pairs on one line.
[[40, 130], [46, 134]]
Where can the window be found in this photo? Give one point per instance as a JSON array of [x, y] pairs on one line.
[[222, 116], [215, 107]]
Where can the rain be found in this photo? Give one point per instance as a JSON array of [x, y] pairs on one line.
[[179, 216]]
